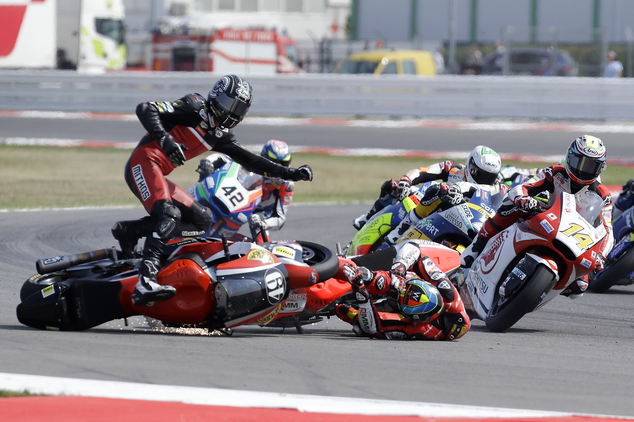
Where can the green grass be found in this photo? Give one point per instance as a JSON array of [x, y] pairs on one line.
[[49, 177], [4, 393]]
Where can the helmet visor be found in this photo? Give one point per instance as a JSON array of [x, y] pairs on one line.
[[583, 167], [480, 176], [233, 106]]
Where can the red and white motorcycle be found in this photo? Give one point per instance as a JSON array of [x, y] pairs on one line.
[[531, 262]]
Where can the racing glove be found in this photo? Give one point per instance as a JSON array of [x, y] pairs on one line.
[[398, 282], [257, 224], [389, 189], [204, 169], [527, 204], [356, 276], [302, 173], [451, 195], [403, 187], [173, 150]]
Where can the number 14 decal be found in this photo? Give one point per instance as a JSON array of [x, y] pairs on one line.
[[583, 240]]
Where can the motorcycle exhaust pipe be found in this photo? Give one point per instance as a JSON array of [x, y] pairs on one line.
[[62, 262]]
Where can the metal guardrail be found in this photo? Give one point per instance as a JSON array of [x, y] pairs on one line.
[[558, 98]]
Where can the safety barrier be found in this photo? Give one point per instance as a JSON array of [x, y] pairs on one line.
[[479, 97]]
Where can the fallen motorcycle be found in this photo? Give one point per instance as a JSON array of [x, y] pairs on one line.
[[531, 262], [219, 285]]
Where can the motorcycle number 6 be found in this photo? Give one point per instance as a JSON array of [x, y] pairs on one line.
[[275, 286]]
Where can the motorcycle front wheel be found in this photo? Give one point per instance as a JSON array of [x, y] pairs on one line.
[[614, 273], [505, 313]]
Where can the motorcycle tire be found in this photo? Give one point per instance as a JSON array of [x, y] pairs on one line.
[[612, 274], [38, 282], [320, 258], [522, 302]]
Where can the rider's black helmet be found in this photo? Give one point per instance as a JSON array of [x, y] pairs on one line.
[[229, 100]]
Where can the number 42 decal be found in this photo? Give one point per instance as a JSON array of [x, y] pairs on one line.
[[235, 199], [583, 240]]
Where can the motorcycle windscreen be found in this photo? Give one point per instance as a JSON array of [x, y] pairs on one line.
[[589, 205]]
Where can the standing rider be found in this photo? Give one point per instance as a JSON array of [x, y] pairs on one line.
[[482, 167], [178, 131], [585, 160], [425, 304]]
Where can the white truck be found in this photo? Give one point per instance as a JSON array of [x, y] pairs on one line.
[[87, 35]]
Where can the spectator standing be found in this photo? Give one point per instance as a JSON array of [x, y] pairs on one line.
[[612, 68], [440, 60], [473, 64]]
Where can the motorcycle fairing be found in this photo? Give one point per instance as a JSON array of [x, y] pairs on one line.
[[242, 297], [231, 195], [380, 224], [576, 233], [464, 220]]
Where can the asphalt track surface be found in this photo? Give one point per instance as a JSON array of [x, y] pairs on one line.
[[570, 356]]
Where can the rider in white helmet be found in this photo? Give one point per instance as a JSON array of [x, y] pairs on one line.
[[482, 167]]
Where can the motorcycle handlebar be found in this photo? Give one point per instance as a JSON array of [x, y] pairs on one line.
[[62, 262]]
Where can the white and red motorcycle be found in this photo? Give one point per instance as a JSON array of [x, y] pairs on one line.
[[531, 262]]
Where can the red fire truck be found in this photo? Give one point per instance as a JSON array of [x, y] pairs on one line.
[[227, 50]]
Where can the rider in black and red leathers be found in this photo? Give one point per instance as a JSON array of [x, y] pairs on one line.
[[178, 131], [585, 159], [424, 304]]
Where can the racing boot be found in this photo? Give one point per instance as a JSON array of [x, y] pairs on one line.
[[472, 252], [576, 288], [147, 289], [360, 221], [393, 237], [167, 222], [129, 232]]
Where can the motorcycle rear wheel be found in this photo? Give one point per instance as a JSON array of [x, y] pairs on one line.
[[611, 276], [501, 317], [38, 282]]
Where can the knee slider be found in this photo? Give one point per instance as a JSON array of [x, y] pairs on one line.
[[168, 219]]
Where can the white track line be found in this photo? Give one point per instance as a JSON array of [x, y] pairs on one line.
[[36, 384]]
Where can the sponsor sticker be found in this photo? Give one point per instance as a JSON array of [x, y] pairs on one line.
[[585, 262], [282, 250], [141, 184], [260, 255], [268, 318], [546, 225], [519, 273], [47, 291]]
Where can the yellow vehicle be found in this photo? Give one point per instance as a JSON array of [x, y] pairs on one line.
[[388, 62]]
